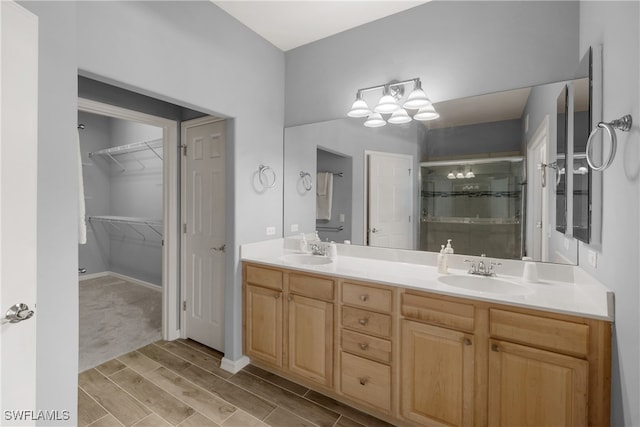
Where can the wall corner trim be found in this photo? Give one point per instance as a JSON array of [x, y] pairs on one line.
[[234, 366]]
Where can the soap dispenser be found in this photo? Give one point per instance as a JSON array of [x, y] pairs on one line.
[[448, 249], [442, 261]]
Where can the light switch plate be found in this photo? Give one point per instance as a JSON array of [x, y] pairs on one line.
[[271, 231], [294, 227], [341, 217], [592, 258]]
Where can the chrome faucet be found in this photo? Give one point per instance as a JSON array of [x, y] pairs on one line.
[[483, 268], [318, 248]]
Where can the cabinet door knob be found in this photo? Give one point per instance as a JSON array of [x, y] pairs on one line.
[[495, 347], [364, 346], [363, 380], [467, 341], [276, 296], [364, 297], [363, 321], [290, 298]]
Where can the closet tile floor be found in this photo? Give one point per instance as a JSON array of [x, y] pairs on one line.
[[180, 383]]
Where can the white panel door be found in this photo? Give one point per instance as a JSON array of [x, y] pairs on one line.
[[204, 255], [390, 207], [18, 203]]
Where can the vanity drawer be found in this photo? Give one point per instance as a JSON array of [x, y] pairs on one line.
[[366, 321], [445, 313], [263, 277], [366, 381], [366, 346], [566, 337], [367, 297], [311, 286]]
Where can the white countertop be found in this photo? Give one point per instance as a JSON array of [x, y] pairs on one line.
[[561, 289]]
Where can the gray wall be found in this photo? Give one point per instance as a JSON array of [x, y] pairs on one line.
[[193, 54], [134, 250], [188, 52], [137, 192], [457, 48], [472, 140], [347, 137], [94, 255], [57, 310], [342, 195], [614, 25]]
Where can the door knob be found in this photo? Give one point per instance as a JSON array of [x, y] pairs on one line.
[[219, 248], [374, 230], [17, 313]]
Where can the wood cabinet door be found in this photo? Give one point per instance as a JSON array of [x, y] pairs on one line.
[[437, 375], [531, 387], [264, 324], [311, 339]]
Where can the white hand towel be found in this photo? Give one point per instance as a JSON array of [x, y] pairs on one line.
[[324, 195], [82, 225]]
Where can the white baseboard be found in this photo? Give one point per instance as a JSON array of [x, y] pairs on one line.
[[234, 366], [84, 277], [122, 277]]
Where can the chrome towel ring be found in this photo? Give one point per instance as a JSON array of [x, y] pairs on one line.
[[266, 176], [623, 124], [306, 180]]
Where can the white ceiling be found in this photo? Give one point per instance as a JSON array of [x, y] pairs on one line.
[[288, 24]]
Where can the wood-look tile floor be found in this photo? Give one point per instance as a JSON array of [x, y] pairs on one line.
[[180, 383]]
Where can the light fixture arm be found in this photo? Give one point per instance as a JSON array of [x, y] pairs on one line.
[[394, 84]]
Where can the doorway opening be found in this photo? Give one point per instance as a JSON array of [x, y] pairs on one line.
[[125, 279]]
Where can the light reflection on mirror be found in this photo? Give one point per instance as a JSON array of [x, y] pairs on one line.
[[561, 155], [469, 129], [582, 174]]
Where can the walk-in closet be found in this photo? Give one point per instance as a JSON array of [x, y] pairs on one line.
[[121, 261]]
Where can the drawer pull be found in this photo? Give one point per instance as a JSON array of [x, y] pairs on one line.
[[364, 346], [494, 347], [363, 380], [290, 298], [364, 297], [467, 341], [363, 321]]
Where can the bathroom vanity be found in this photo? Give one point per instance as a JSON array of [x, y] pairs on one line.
[[395, 340]]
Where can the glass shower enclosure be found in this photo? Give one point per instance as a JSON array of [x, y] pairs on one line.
[[478, 203]]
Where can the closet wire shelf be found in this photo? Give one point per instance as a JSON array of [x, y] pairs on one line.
[[153, 224], [152, 145]]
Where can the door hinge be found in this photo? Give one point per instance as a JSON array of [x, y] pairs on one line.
[[184, 149], [184, 228], [184, 305], [409, 171]]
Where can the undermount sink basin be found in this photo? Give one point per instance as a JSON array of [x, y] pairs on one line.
[[306, 259], [484, 284]]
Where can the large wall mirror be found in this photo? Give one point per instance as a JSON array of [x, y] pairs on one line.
[[470, 175]]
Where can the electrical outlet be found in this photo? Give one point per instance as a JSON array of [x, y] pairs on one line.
[[294, 227], [271, 231], [592, 258], [341, 217]]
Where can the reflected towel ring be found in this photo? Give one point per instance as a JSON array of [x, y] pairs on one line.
[[263, 176], [307, 181], [623, 124]]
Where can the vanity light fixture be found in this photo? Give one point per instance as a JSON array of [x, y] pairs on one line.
[[459, 175], [416, 106], [375, 120], [451, 175], [470, 174]]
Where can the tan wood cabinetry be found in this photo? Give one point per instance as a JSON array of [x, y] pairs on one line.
[[437, 383], [366, 351], [417, 358], [289, 322]]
